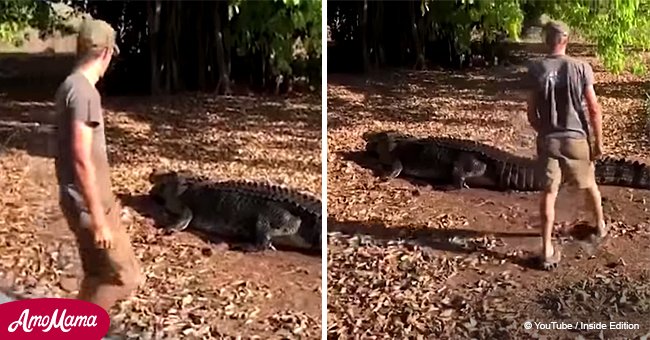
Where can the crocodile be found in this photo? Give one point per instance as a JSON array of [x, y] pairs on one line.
[[464, 163], [260, 214]]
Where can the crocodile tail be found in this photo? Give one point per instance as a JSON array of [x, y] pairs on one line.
[[622, 172]]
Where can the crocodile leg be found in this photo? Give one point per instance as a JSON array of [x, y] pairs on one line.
[[466, 166], [182, 222], [289, 232], [385, 148], [174, 206], [395, 169], [262, 237], [459, 180]]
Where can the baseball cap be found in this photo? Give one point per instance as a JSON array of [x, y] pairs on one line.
[[94, 33], [556, 28]]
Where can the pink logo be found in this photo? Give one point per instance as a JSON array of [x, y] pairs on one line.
[[51, 318]]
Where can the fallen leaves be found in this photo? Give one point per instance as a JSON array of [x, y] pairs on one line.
[[193, 289], [408, 261], [384, 289]]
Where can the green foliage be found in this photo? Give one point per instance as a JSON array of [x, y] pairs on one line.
[[14, 17], [17, 15], [273, 28], [469, 20], [619, 28]]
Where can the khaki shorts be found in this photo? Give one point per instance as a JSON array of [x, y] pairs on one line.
[[117, 266], [568, 159]]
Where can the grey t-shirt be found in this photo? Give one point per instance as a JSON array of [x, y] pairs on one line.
[[78, 100], [559, 83]]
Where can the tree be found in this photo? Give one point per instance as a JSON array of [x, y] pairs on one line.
[[619, 28], [455, 33], [17, 15], [170, 46]]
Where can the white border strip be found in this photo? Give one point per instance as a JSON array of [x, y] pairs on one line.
[[324, 169]]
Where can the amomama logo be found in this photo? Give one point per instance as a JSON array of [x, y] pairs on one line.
[[51, 318]]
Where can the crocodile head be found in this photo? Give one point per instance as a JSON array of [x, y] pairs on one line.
[[380, 142], [167, 185], [373, 139], [382, 139]]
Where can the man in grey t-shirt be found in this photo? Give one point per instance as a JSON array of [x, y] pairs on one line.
[[557, 85], [111, 269]]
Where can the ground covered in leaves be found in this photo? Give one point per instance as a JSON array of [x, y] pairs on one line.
[[194, 289], [408, 261]]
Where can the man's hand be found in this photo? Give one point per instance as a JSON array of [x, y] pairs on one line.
[[596, 120], [531, 110], [598, 151], [102, 234]]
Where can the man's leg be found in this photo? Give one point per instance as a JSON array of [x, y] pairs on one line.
[[109, 274], [552, 175], [547, 206], [595, 199], [582, 172], [547, 213]]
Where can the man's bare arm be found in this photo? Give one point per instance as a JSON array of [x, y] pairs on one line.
[[533, 120], [85, 169], [595, 114]]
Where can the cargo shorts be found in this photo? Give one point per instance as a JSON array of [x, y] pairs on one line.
[[565, 160], [117, 266]]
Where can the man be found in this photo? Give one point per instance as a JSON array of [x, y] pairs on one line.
[[111, 269], [557, 85]]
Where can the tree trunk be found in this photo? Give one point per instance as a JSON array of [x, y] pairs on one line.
[[175, 22], [153, 16], [380, 58], [201, 67], [225, 28], [364, 36], [417, 45], [223, 85], [210, 68], [168, 48]]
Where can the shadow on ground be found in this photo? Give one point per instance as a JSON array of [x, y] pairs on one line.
[[628, 89], [407, 96], [202, 127], [176, 133], [456, 240], [36, 138], [147, 207], [28, 83], [33, 76], [390, 96], [447, 240], [187, 127]]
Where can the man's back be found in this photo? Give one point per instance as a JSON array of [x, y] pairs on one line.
[[557, 85], [559, 82], [77, 99]]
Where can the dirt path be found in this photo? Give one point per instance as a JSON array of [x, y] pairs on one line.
[[193, 289], [453, 265]]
